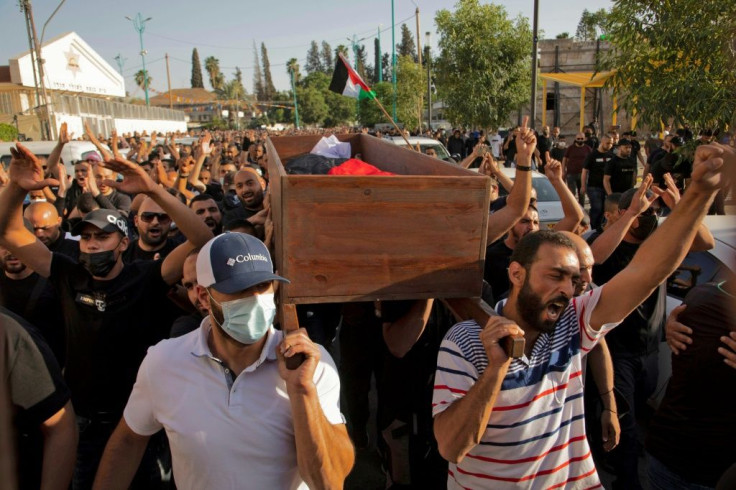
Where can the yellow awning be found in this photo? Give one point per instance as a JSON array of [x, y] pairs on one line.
[[586, 79]]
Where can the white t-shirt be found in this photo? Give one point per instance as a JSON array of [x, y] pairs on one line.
[[224, 434]]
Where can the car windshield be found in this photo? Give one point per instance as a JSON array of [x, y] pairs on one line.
[[439, 149], [545, 191]]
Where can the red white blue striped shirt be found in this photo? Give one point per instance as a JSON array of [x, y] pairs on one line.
[[535, 437]]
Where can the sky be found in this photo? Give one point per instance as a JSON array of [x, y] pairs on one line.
[[227, 30]]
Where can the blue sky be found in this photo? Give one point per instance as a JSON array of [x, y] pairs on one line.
[[227, 29]]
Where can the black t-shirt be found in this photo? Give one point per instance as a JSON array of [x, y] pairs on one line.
[[135, 252], [498, 257], [37, 391], [214, 189], [622, 171], [693, 431], [595, 164], [640, 332], [185, 324], [34, 299], [109, 327], [544, 144], [238, 213]]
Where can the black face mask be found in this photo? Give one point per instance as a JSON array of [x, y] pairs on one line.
[[579, 143], [647, 225], [99, 264]]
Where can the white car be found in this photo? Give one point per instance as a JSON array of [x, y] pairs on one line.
[[697, 268], [73, 152], [424, 144], [548, 202]]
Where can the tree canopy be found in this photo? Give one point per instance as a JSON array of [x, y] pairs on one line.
[[268, 88], [407, 47], [483, 68], [674, 60], [314, 59], [197, 81], [591, 25]]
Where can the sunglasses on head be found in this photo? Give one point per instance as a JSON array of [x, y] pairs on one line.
[[162, 218]]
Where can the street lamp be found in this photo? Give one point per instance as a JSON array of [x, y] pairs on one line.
[[393, 55], [429, 83], [139, 23]]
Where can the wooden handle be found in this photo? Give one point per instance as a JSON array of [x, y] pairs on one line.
[[480, 311], [290, 323]]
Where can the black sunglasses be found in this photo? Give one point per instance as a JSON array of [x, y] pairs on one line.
[[162, 218]]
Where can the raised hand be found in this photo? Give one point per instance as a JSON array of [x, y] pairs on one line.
[[553, 170], [106, 156], [26, 171], [671, 194], [677, 334], [204, 143], [135, 179], [90, 182], [640, 202], [114, 144], [526, 141], [64, 137], [707, 168]]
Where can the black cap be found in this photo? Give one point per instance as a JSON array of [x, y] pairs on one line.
[[107, 220]]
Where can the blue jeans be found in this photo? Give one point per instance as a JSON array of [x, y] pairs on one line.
[[661, 478], [597, 197]]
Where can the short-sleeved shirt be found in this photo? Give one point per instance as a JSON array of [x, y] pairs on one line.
[[576, 156], [109, 326], [37, 390], [595, 164], [622, 171], [134, 252], [535, 437], [224, 433], [35, 299]]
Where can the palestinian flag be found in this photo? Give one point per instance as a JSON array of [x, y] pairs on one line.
[[347, 82]]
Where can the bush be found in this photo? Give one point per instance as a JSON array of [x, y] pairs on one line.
[[8, 132]]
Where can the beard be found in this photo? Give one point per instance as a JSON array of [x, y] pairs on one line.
[[154, 241], [535, 313], [11, 268]]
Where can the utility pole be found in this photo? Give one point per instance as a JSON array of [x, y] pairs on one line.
[[393, 55], [121, 62], [380, 57], [38, 75], [532, 117], [293, 91], [429, 83], [139, 23], [168, 81], [419, 43]]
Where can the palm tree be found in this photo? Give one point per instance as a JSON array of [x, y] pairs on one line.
[[293, 67], [212, 65], [140, 79]]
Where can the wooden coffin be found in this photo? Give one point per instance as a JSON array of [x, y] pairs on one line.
[[419, 234]]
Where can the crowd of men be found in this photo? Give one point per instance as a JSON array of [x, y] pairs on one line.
[[138, 305]]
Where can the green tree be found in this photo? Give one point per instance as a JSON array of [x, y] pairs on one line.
[[258, 86], [328, 62], [312, 105], [377, 66], [341, 49], [591, 25], [386, 62], [674, 60], [411, 82], [483, 77], [363, 67], [406, 47], [563, 35], [140, 79], [8, 132], [293, 66], [268, 89], [314, 61], [197, 81], [212, 65], [369, 114]]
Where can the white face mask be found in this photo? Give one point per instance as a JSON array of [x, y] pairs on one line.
[[247, 320]]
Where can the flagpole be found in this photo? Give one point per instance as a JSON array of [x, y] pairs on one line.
[[380, 106]]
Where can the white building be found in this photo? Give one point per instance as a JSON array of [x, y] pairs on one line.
[[81, 87]]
